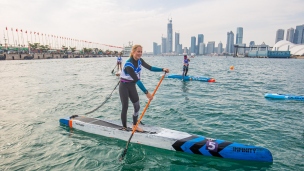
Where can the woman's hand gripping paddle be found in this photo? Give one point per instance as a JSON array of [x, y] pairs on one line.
[[141, 116]]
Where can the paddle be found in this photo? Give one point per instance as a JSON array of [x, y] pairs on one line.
[[139, 120], [114, 68]]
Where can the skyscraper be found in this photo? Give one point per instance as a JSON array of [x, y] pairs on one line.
[[164, 45], [169, 36], [239, 35], [220, 48], [193, 44], [154, 48], [279, 35], [201, 49], [176, 40], [290, 34], [299, 35], [200, 39], [230, 42], [210, 47]]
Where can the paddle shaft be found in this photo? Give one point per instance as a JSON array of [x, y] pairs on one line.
[[141, 116], [114, 68]]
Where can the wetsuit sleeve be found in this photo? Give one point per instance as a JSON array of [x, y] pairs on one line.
[[149, 67], [132, 73], [141, 86]]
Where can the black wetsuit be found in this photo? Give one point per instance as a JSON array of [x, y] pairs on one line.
[[127, 89]]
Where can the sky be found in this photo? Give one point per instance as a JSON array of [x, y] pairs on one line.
[[116, 22]]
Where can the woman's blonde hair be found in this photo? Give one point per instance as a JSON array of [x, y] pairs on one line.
[[134, 47]]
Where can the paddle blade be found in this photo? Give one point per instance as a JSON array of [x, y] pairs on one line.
[[123, 154], [112, 71]]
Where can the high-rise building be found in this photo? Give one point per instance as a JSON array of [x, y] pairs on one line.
[[155, 48], [193, 44], [220, 48], [290, 34], [239, 35], [201, 49], [164, 45], [230, 42], [299, 35], [169, 37], [279, 35], [200, 39], [158, 49], [210, 47], [176, 44]]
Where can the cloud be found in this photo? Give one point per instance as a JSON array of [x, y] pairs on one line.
[[117, 22]]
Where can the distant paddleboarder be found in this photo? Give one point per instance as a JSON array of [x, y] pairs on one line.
[[130, 75], [186, 65], [119, 61]]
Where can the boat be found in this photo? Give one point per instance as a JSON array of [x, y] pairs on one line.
[[190, 78], [170, 139], [283, 96], [127, 50]]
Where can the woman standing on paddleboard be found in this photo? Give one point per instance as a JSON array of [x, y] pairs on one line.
[[186, 65], [130, 75]]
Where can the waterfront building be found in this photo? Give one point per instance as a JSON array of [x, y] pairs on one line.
[[239, 35], [193, 44], [200, 39], [220, 48], [295, 49], [299, 35], [169, 37], [210, 47], [158, 49], [176, 43], [230, 42], [186, 51], [164, 45], [290, 34], [179, 49], [279, 35], [201, 49], [155, 48]]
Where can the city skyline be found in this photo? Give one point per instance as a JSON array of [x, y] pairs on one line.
[[144, 22]]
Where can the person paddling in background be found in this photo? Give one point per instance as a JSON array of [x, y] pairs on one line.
[[119, 61], [130, 75], [186, 65]]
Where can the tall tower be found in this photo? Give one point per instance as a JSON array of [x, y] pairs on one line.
[[230, 42], [239, 35], [164, 45], [193, 44], [176, 40], [290, 34], [299, 35], [169, 36], [279, 35], [200, 39], [220, 48]]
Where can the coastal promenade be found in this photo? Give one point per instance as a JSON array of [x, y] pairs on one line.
[[25, 56]]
